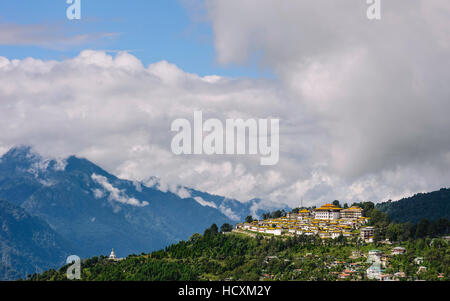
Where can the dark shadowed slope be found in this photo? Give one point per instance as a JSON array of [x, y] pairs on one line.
[[431, 206], [96, 211], [27, 243]]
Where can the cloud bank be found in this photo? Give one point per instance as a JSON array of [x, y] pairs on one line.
[[363, 105]]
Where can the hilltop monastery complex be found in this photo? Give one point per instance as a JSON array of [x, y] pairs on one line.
[[327, 221]]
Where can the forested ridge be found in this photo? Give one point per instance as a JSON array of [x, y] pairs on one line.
[[218, 256], [430, 206], [221, 255]]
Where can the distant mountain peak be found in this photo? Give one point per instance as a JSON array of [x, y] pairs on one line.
[[94, 209], [22, 152], [76, 163], [25, 159]]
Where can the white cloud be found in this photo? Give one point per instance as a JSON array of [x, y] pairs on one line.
[[376, 91], [60, 164], [363, 106], [115, 194], [204, 203], [98, 193], [182, 193], [137, 185], [229, 213]]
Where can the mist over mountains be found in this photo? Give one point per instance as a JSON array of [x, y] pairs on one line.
[[72, 206]]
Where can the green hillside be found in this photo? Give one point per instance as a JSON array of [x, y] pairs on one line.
[[431, 206], [216, 256]]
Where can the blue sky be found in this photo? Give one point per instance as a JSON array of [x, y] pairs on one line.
[[152, 30]]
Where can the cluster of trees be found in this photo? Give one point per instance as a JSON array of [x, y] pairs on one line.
[[274, 214], [213, 230], [397, 231], [215, 256], [431, 206], [424, 228], [268, 215], [226, 228]]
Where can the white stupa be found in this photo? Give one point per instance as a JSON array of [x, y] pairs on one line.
[[112, 256]]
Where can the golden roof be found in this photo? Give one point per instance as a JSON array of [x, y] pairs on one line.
[[329, 207], [354, 208]]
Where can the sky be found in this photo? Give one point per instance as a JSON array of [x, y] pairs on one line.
[[363, 104], [172, 30]]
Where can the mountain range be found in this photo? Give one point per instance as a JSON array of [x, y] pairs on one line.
[[53, 208]]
